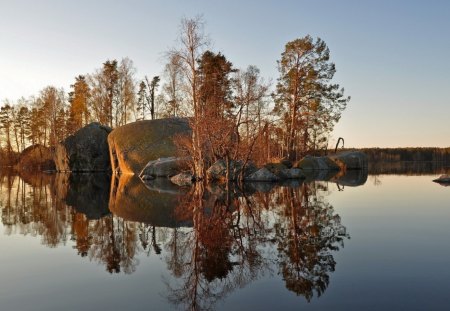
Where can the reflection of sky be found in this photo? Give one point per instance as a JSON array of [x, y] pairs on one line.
[[397, 258], [391, 56], [398, 254]]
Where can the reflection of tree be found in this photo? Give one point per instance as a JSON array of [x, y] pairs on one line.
[[229, 238], [36, 205], [25, 210], [307, 232], [221, 254]]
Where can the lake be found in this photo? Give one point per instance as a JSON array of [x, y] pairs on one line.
[[377, 241]]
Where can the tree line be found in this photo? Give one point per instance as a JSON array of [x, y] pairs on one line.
[[424, 154], [234, 112]]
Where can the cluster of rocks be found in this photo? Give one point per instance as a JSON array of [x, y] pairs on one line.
[[318, 168], [147, 149], [98, 148]]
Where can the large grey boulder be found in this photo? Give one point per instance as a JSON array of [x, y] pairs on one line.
[[262, 174], [351, 160], [162, 167], [133, 145], [84, 151]]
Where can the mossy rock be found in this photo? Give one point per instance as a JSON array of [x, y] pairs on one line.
[[309, 163], [36, 158], [135, 144]]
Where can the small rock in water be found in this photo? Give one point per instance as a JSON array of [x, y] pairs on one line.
[[443, 179]]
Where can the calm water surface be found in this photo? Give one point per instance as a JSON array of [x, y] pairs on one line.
[[84, 242]]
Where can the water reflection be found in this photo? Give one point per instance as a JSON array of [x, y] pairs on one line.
[[213, 240]]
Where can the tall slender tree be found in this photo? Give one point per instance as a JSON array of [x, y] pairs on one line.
[[171, 95], [142, 99], [78, 104], [126, 92], [305, 98], [193, 42], [6, 124]]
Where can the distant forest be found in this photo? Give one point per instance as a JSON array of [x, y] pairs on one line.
[[408, 154]]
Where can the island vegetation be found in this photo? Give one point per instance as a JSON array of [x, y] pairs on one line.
[[234, 113]]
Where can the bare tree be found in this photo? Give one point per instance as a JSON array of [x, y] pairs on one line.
[[171, 96], [192, 43]]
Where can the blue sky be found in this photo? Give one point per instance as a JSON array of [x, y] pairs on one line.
[[392, 57]]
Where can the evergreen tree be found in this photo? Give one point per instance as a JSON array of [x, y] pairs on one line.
[[305, 99]]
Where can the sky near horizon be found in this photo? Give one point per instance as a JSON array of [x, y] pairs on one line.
[[392, 57]]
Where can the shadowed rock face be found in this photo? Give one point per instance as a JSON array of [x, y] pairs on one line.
[[135, 144], [84, 151], [36, 158], [309, 163]]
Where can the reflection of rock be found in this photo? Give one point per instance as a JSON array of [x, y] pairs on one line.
[[89, 194], [353, 178], [351, 160], [36, 158], [182, 179], [36, 179], [319, 175], [291, 183], [133, 145], [162, 185], [259, 186], [132, 200], [84, 151], [162, 167]]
